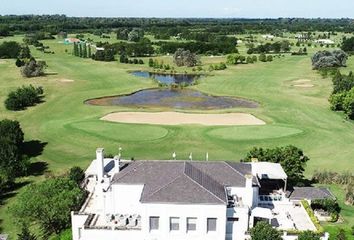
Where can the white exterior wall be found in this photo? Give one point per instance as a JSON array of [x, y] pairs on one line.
[[201, 212], [245, 193], [237, 229], [124, 199]]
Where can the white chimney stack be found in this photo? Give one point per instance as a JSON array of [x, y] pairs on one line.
[[100, 163], [117, 164], [249, 182]]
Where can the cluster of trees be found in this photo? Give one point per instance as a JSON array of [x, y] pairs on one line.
[[277, 47], [132, 35], [291, 158], [240, 59], [124, 59], [82, 50], [207, 48], [342, 97], [106, 55], [132, 49], [49, 203], [348, 45], [327, 59], [13, 163], [56, 23], [217, 67], [24, 97], [346, 179], [185, 58], [300, 52], [159, 64], [33, 68]]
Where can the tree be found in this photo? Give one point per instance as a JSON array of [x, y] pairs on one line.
[[308, 235], [262, 57], [25, 52], [326, 59], [348, 45], [84, 50], [10, 49], [49, 204], [264, 231], [26, 234], [269, 58], [348, 104], [185, 58], [12, 163], [76, 174], [151, 62], [23, 97], [89, 54], [290, 157], [33, 68]]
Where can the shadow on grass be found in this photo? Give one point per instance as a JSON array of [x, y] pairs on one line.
[[33, 148], [11, 190], [37, 168]]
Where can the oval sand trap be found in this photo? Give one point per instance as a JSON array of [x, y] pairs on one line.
[[176, 118]]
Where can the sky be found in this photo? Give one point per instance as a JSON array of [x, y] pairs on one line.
[[183, 8]]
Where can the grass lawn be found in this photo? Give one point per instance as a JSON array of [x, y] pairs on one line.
[[71, 130]]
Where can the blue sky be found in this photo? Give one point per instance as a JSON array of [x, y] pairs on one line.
[[183, 8]]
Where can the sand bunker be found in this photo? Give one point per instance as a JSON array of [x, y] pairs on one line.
[[303, 83], [63, 80], [175, 118]]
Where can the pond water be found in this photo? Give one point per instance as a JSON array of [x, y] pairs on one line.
[[177, 99], [168, 78]]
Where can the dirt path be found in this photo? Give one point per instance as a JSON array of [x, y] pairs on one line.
[[175, 118]]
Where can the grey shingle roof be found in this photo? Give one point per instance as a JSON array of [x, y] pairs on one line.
[[310, 193], [184, 181]]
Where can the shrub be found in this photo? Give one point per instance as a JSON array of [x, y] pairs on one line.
[[326, 59], [264, 231], [269, 58], [24, 97], [336, 101], [309, 235], [76, 174], [33, 68], [262, 57], [10, 49]]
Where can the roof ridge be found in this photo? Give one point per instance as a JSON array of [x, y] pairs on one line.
[[237, 171], [162, 187], [184, 172]]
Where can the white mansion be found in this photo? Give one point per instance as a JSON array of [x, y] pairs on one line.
[[184, 200]]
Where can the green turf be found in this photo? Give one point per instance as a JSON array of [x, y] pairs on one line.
[[72, 130], [252, 132]]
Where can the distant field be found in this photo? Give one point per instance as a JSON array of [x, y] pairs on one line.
[[72, 130]]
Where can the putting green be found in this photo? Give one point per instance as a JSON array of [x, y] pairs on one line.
[[253, 132], [122, 132]]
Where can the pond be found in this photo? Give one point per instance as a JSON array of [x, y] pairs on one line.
[[172, 98], [168, 78]]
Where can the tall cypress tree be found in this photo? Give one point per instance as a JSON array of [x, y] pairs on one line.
[[80, 50], [84, 51], [89, 51]]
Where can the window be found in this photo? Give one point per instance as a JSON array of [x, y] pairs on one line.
[[233, 219], [174, 224], [154, 223], [211, 224], [191, 224]]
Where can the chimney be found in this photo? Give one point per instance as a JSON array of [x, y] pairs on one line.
[[249, 182], [100, 163], [117, 164]]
